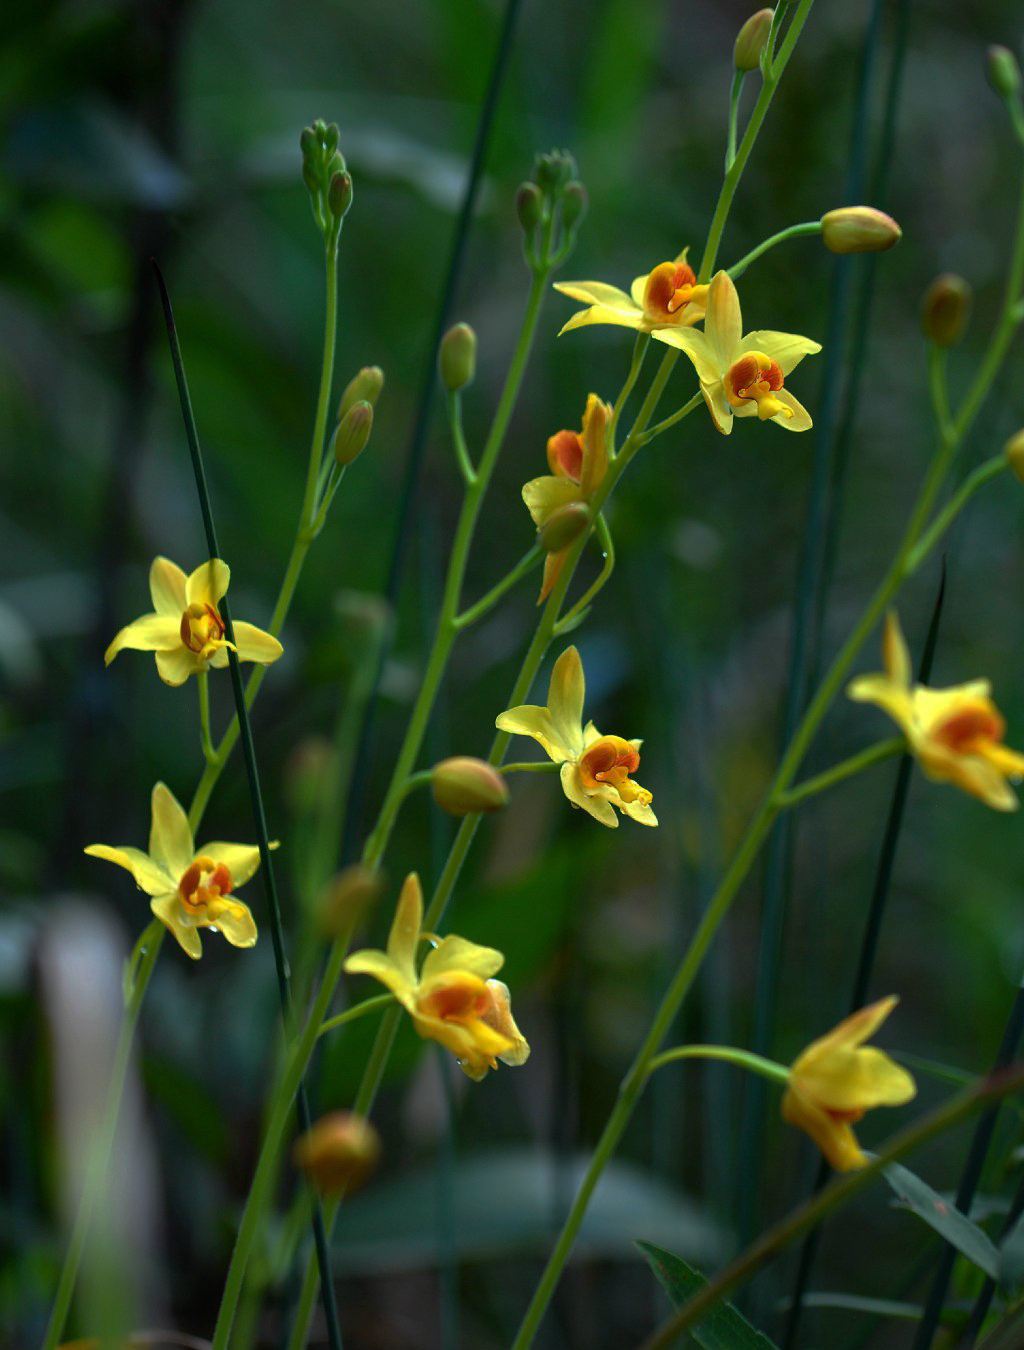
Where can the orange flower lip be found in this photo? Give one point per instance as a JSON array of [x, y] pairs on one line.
[[669, 288], [565, 454], [752, 376], [609, 762], [203, 882], [969, 729], [201, 625]]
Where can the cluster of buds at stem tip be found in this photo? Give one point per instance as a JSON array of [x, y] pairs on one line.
[[751, 39], [945, 308], [326, 177], [456, 358], [464, 786], [338, 1153], [355, 415], [859, 229], [550, 207]]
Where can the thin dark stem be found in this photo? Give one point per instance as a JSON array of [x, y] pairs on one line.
[[802, 656], [421, 424], [971, 1175], [259, 813], [869, 946]]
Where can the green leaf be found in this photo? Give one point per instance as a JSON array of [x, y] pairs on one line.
[[1011, 1257], [880, 1307], [724, 1328], [916, 1195]]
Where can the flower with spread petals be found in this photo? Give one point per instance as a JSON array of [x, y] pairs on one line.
[[578, 461], [744, 376], [836, 1080], [664, 301], [595, 769], [454, 998], [186, 630], [956, 734], [190, 889]]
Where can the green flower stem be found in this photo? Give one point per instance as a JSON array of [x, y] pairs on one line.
[[640, 349], [526, 564], [826, 1201], [772, 76], [728, 1054], [530, 766], [103, 1147], [203, 688], [983, 474], [735, 91], [938, 387], [577, 612], [667, 423], [454, 405], [368, 1005], [874, 754], [792, 232]]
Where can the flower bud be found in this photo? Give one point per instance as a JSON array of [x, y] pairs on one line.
[[574, 204], [1014, 451], [331, 137], [352, 433], [463, 786], [553, 170], [308, 143], [339, 194], [750, 40], [859, 229], [563, 526], [456, 359], [1003, 72], [346, 898], [944, 309], [364, 387], [338, 1153], [529, 204]]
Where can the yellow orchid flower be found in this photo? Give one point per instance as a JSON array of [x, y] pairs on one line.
[[578, 461], [186, 630], [744, 376], [835, 1081], [453, 999], [595, 768], [956, 734], [661, 303], [189, 888]]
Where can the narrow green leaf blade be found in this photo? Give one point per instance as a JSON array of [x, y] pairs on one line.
[[1011, 1257], [722, 1329], [938, 1213]]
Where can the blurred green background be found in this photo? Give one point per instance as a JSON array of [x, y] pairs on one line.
[[171, 130]]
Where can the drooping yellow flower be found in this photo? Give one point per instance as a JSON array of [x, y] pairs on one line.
[[186, 630], [454, 999], [836, 1080], [578, 461], [189, 888], [956, 734], [595, 769], [744, 376], [661, 303]]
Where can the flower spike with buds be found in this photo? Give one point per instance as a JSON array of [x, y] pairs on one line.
[[660, 303], [186, 630], [453, 999], [744, 376], [836, 1080], [595, 769], [955, 734], [188, 890], [558, 501]]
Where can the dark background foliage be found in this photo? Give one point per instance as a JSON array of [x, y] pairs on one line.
[[170, 130]]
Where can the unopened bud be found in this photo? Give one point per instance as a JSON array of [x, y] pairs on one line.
[[859, 229], [563, 526], [1014, 451], [944, 309], [331, 137], [456, 359], [352, 433], [553, 170], [529, 204], [364, 387], [308, 143], [346, 899], [339, 194], [1004, 72], [574, 204], [339, 1152], [750, 40], [463, 786]]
